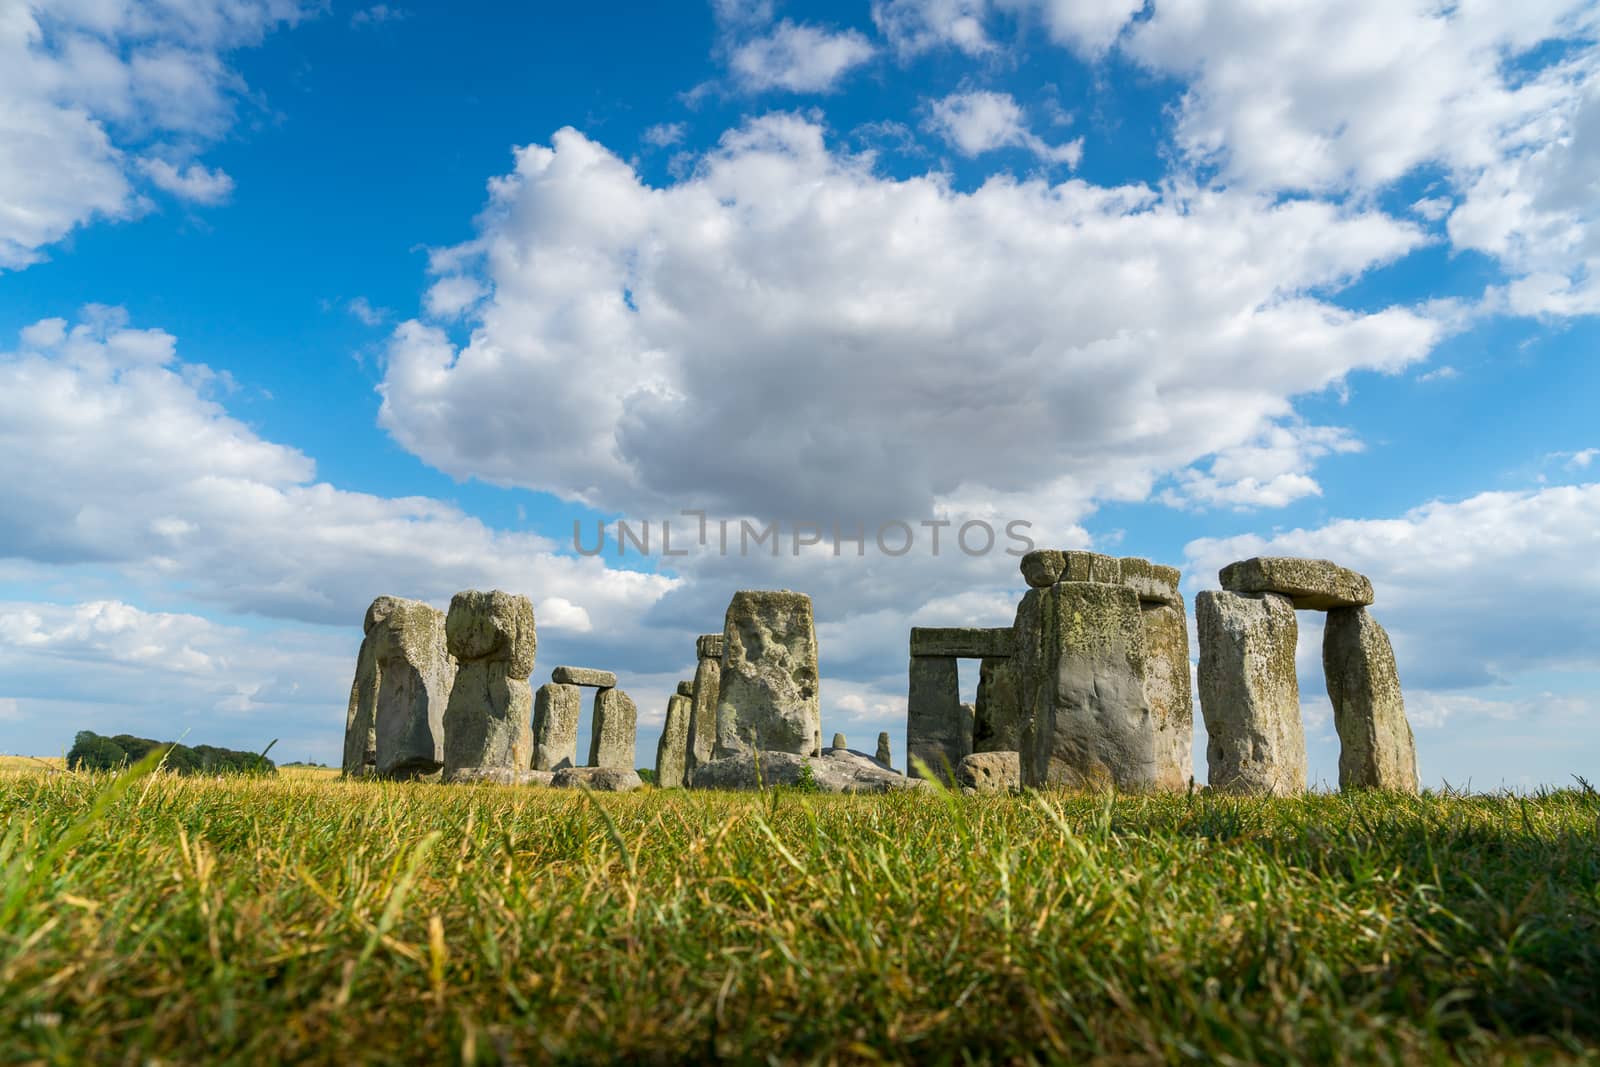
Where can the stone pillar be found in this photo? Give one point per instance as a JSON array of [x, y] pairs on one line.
[[671, 751], [557, 708], [703, 712], [1376, 747], [768, 690], [1249, 695], [938, 724], [488, 721], [360, 721], [415, 673], [614, 731], [883, 749], [997, 716], [1168, 688], [1081, 667]]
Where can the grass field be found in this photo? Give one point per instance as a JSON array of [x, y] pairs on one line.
[[182, 920]]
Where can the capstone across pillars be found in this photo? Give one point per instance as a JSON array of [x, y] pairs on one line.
[[962, 642], [1376, 746], [938, 724], [1311, 584], [586, 676], [1249, 694]]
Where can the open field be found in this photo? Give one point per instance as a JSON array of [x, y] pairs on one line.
[[308, 918]]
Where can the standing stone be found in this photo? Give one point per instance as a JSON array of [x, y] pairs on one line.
[[998, 721], [1167, 687], [938, 724], [767, 695], [839, 741], [616, 721], [487, 723], [703, 715], [1249, 695], [1376, 747], [674, 744], [557, 709], [415, 673], [1081, 671], [360, 721], [883, 750]]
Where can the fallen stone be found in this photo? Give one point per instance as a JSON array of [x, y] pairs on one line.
[[767, 692], [488, 719], [1152, 582], [500, 776], [1081, 674], [1249, 694], [839, 741], [616, 727], [703, 715], [938, 724], [1310, 584], [1042, 567], [997, 721], [598, 779], [586, 676], [963, 642], [686, 689], [883, 754], [1090, 567], [557, 710], [990, 772], [673, 748], [1376, 746], [835, 771], [1168, 689]]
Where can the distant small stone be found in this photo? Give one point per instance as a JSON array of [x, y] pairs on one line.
[[839, 741], [883, 750]]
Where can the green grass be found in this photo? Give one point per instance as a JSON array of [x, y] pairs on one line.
[[306, 918]]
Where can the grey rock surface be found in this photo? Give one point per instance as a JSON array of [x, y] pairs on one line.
[[963, 642], [938, 724], [1081, 672], [998, 719], [1042, 567], [500, 776], [598, 779], [990, 772], [557, 710], [1168, 688], [1310, 584], [1090, 567], [1376, 747], [768, 689], [415, 673], [686, 688], [1249, 694], [835, 771], [615, 730], [1151, 582], [588, 676], [839, 742], [673, 749], [708, 646], [703, 713], [488, 719], [883, 755]]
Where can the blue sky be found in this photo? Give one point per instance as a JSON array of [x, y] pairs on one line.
[[301, 304]]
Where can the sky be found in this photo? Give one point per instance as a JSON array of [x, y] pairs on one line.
[[306, 303]]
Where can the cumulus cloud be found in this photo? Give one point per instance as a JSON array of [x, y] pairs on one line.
[[1271, 471], [798, 58], [84, 88], [789, 333], [981, 121], [1089, 27]]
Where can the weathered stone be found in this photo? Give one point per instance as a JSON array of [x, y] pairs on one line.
[[415, 672], [686, 689], [1249, 695], [1311, 584], [1090, 567], [708, 646], [1168, 689], [938, 724], [586, 676], [1152, 582], [998, 721], [884, 755], [1376, 747], [836, 771], [360, 721], [493, 627], [839, 742], [500, 776], [598, 779], [557, 710], [488, 720], [615, 730], [767, 694], [1042, 567], [963, 642], [1081, 673], [673, 748], [990, 772], [703, 715]]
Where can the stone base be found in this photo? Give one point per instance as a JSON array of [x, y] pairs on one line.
[[835, 771]]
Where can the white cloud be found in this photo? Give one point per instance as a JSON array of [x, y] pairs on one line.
[[1089, 27], [664, 134], [366, 313], [1270, 471], [798, 58], [377, 15], [789, 333], [192, 182], [1439, 374], [86, 87], [113, 453], [452, 295], [981, 121]]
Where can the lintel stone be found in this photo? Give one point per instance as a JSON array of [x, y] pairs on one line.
[[584, 676], [1310, 584], [962, 642]]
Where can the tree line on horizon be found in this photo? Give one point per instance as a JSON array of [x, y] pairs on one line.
[[95, 752]]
